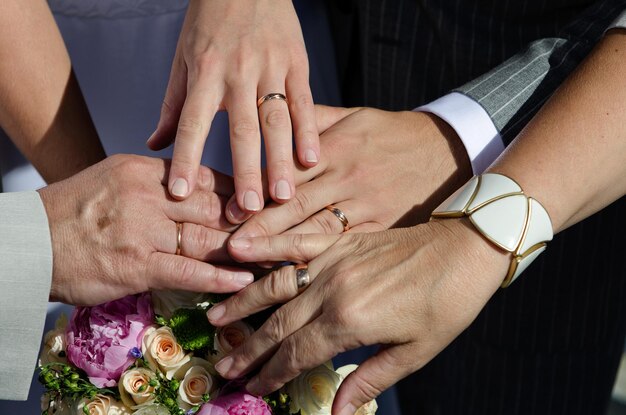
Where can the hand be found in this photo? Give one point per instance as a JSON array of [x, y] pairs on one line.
[[380, 168], [229, 54], [412, 290], [114, 233]]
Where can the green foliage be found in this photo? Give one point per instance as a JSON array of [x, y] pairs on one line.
[[192, 329], [279, 403]]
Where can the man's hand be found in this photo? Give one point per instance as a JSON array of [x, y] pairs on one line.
[[382, 169], [114, 233], [230, 53]]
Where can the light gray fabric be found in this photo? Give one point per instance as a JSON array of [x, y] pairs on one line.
[[25, 276], [515, 90]]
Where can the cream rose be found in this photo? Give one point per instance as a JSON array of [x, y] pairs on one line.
[[166, 302], [53, 350], [162, 351], [102, 405], [135, 389], [228, 338], [369, 408], [313, 391], [196, 383]]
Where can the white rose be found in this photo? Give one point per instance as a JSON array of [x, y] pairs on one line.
[[196, 383], [368, 408], [53, 350], [166, 302], [153, 409], [228, 338], [313, 391], [162, 351], [102, 405], [135, 389]]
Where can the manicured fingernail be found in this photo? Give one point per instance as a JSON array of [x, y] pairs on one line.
[[224, 365], [253, 386], [349, 409], [236, 213], [282, 190], [251, 201], [151, 137], [216, 312], [180, 188], [310, 156], [244, 278], [240, 243]]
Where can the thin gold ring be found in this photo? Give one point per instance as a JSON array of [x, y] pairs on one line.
[[303, 279], [269, 97], [179, 237], [340, 215]]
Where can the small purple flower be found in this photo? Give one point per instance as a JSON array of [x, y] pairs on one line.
[[135, 353]]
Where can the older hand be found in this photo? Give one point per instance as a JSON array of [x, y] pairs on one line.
[[229, 54], [381, 169], [114, 233], [412, 290]]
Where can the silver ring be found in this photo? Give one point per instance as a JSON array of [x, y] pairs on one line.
[[269, 97], [303, 279]]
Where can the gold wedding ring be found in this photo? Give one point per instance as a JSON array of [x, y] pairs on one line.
[[303, 279], [179, 237], [340, 215], [269, 97]]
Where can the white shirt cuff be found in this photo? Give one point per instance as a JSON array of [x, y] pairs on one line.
[[471, 122]]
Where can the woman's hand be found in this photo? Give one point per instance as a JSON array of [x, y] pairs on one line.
[[230, 53], [380, 168], [412, 290]]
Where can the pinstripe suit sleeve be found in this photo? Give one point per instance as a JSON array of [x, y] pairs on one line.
[[25, 276], [514, 91]]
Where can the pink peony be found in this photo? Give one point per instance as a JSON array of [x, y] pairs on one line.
[[236, 403], [100, 338]]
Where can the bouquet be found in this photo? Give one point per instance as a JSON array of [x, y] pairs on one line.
[[154, 354]]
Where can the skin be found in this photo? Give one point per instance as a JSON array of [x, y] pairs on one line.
[[227, 57], [113, 231], [41, 106], [415, 289]]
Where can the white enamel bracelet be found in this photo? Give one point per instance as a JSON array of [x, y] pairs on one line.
[[502, 213]]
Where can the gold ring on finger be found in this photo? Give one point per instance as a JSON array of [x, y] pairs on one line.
[[269, 97], [179, 237], [340, 215]]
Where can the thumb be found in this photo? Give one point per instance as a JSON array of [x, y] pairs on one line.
[[369, 380], [328, 116], [294, 248]]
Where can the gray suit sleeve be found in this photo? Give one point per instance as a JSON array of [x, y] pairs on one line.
[[514, 91], [25, 277]]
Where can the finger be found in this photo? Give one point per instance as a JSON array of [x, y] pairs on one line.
[[305, 349], [171, 107], [371, 378], [327, 116], [203, 244], [310, 198], [193, 127], [245, 143], [265, 341], [208, 179], [202, 208], [294, 248], [276, 127], [168, 271], [278, 287], [368, 227], [303, 118], [327, 222]]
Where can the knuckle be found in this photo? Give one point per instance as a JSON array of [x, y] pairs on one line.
[[274, 328], [276, 118], [301, 205], [204, 61], [326, 223], [186, 273], [189, 126], [365, 388], [248, 175], [302, 102], [276, 287], [291, 357], [245, 129], [210, 208]]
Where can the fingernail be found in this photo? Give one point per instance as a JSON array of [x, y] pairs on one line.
[[224, 365], [349, 409], [215, 313], [310, 156], [180, 188], [150, 138], [253, 386], [251, 201], [241, 243], [282, 190], [236, 213], [244, 278]]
